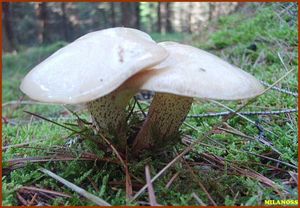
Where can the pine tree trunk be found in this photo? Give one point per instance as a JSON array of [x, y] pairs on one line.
[[159, 17], [113, 14], [65, 25], [8, 34], [42, 15], [169, 27], [130, 14], [137, 15]]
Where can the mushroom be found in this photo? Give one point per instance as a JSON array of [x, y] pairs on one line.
[[91, 69], [187, 73]]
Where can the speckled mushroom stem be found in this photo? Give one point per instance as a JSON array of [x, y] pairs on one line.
[[166, 114], [109, 115]]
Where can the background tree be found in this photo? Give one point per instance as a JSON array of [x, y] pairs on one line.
[[131, 14], [8, 34], [164, 24], [42, 16], [48, 22], [113, 14], [168, 10], [65, 25]]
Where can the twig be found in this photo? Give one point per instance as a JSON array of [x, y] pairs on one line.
[[24, 102], [128, 179], [46, 119], [30, 188], [199, 183], [77, 189], [33, 199], [251, 113], [277, 81], [281, 60], [275, 160], [16, 145], [114, 150], [239, 114], [260, 138], [189, 141], [93, 183], [140, 107], [128, 182], [294, 176], [280, 89], [244, 171], [201, 203], [14, 164], [152, 198], [131, 110], [171, 180], [22, 200]]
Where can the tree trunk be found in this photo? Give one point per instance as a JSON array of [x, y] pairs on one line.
[[8, 34], [42, 15], [113, 14], [211, 7], [189, 19], [169, 27], [6, 45], [65, 25], [137, 15], [159, 17], [130, 14], [126, 14], [165, 18]]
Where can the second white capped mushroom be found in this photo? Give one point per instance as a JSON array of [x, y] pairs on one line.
[[187, 73], [90, 70]]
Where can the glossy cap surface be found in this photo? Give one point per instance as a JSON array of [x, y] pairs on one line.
[[192, 72], [92, 66]]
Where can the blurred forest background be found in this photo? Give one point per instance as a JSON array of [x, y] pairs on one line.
[[48, 22]]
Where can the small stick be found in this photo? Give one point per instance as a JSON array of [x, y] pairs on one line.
[[131, 110], [201, 203], [22, 200], [46, 119], [250, 113], [140, 107], [24, 102], [152, 198], [93, 183], [280, 89], [45, 191], [171, 180], [244, 117], [128, 178], [294, 176], [199, 183], [32, 199], [77, 189]]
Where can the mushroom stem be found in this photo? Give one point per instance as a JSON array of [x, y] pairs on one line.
[[166, 114], [109, 115]]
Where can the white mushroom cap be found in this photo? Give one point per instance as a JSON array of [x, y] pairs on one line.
[[92, 66], [191, 72]]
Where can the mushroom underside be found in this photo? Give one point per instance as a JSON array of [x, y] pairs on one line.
[[166, 114]]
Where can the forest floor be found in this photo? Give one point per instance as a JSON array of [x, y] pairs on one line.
[[245, 161]]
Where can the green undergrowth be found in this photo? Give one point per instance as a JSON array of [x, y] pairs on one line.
[[235, 168]]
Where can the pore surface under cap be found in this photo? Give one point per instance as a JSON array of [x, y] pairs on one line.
[[191, 72], [92, 66]]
